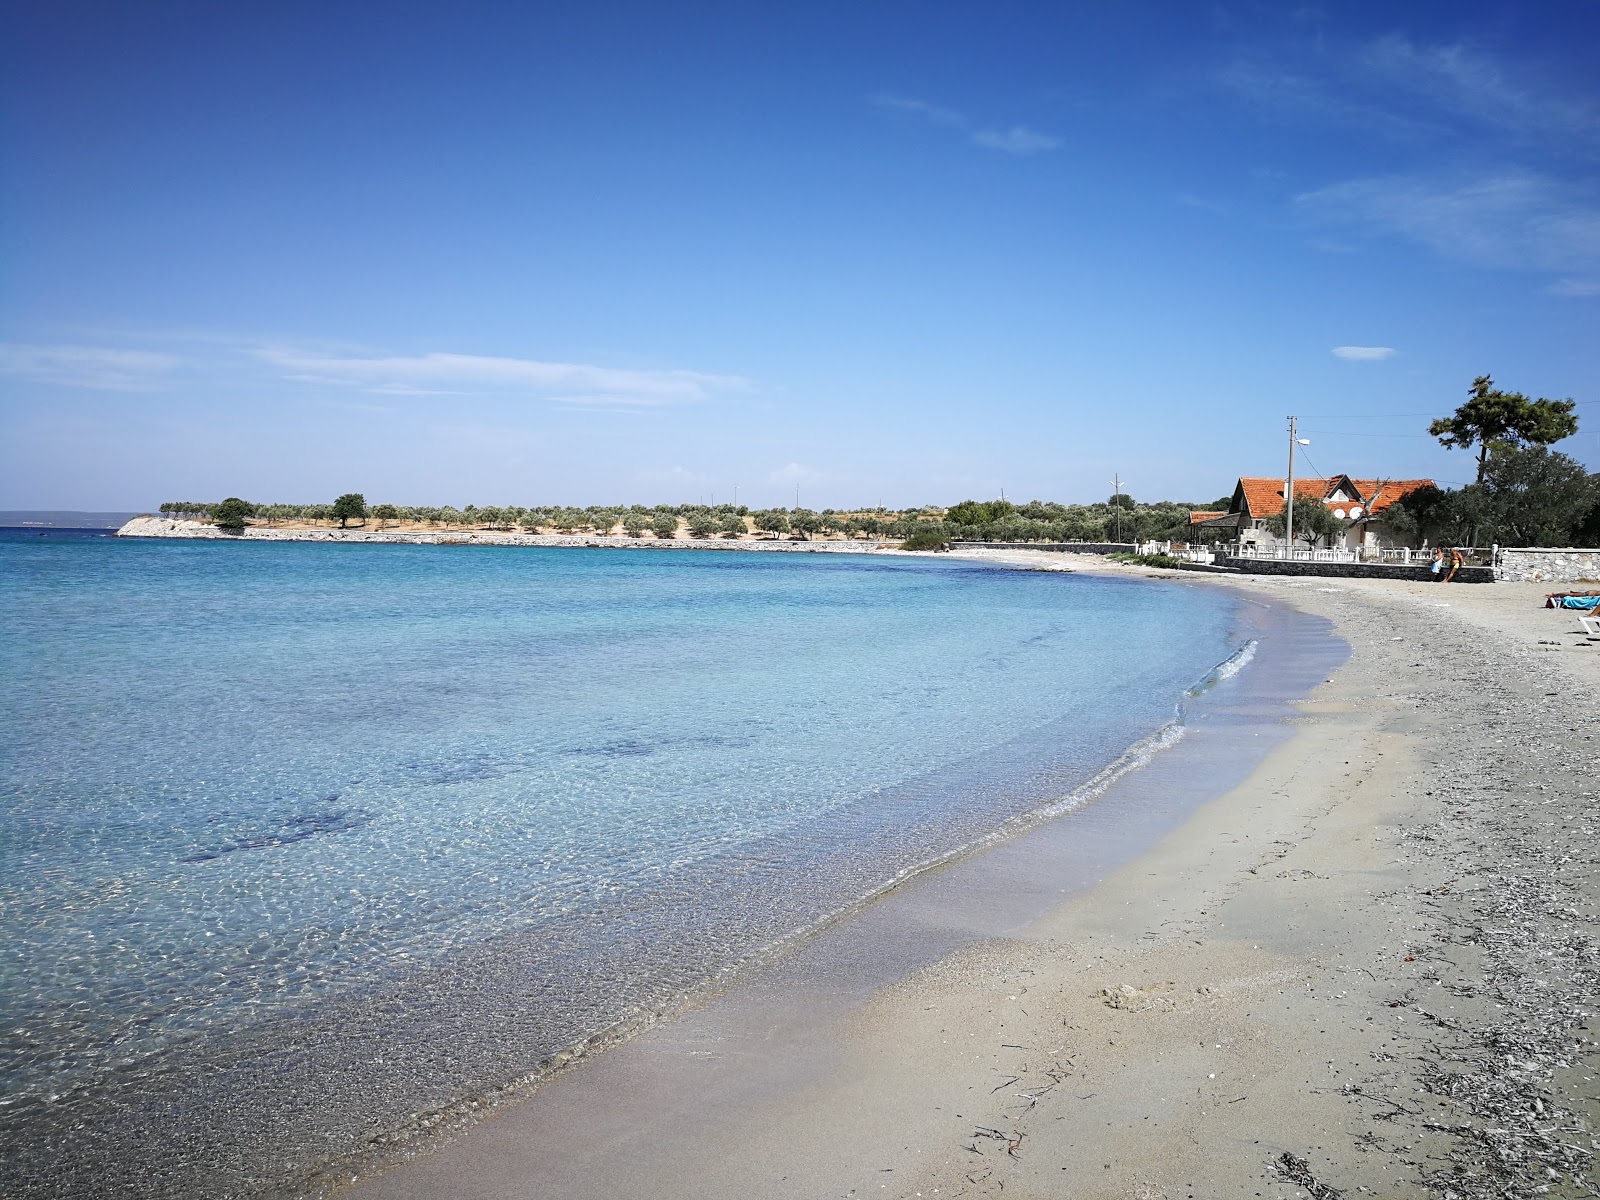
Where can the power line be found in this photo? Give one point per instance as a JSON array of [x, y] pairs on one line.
[[1382, 415], [1306, 454], [1367, 416], [1338, 433]]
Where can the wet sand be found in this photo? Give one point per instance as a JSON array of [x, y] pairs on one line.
[[1368, 967]]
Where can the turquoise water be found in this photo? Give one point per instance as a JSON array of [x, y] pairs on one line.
[[246, 784]]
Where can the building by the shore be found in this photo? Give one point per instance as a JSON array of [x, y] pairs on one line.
[[1359, 503]]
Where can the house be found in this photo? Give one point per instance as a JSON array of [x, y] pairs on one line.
[[1358, 503]]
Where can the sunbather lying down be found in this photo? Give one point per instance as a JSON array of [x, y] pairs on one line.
[[1578, 600]]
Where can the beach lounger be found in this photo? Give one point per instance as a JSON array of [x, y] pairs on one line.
[[1571, 599], [1591, 625]]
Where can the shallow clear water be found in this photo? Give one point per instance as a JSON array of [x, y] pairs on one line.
[[243, 783]]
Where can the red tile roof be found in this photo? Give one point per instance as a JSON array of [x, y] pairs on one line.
[[1378, 494], [1197, 515], [1264, 497]]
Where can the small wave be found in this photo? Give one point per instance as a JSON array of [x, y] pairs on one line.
[[1226, 669]]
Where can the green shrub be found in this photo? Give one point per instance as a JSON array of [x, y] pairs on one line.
[[230, 514], [925, 539], [1146, 560]]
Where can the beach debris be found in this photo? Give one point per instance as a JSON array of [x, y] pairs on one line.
[[1132, 999], [1297, 1171]]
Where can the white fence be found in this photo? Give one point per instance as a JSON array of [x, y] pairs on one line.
[[1396, 556]]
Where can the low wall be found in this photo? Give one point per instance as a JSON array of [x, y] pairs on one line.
[[1422, 572], [1060, 547], [1538, 564]]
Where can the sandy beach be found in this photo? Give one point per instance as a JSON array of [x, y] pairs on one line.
[[1368, 968]]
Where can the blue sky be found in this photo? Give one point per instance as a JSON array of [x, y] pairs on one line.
[[908, 253]]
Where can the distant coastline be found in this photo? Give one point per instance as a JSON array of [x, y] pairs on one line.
[[167, 527], [61, 519]]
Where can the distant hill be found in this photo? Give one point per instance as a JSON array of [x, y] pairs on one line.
[[59, 519]]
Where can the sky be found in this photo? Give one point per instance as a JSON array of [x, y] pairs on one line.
[[881, 253]]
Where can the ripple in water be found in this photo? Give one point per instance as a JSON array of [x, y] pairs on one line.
[[413, 819]]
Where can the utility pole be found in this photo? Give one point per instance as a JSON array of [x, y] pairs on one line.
[[1288, 492], [1116, 502], [797, 495]]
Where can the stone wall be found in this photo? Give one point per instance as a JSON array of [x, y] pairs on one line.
[[1549, 565], [1421, 572]]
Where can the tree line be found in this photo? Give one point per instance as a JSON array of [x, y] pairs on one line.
[[1524, 493], [1120, 518]]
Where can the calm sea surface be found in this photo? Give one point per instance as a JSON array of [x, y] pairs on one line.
[[258, 797]]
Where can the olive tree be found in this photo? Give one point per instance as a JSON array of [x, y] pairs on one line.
[[350, 507], [231, 514], [772, 521], [1313, 521], [805, 522]]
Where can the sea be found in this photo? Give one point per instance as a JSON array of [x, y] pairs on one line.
[[306, 846]]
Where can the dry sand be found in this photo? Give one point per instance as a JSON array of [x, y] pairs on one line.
[[1369, 969]]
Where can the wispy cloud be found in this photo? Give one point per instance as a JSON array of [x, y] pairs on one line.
[[1393, 86], [1575, 287], [1364, 353], [569, 384], [1017, 139], [100, 368], [793, 473], [1466, 84], [948, 117], [1516, 220], [1286, 95]]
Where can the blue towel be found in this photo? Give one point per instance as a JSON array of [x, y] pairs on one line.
[[1585, 602]]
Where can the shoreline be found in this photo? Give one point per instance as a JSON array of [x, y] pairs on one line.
[[258, 1067], [1294, 944], [166, 527], [1078, 840]]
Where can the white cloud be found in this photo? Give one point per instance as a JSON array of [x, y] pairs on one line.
[[1465, 84], [97, 367], [921, 108], [1283, 96], [1394, 87], [1364, 353], [568, 383], [1575, 287], [1019, 139], [793, 473], [1513, 219]]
